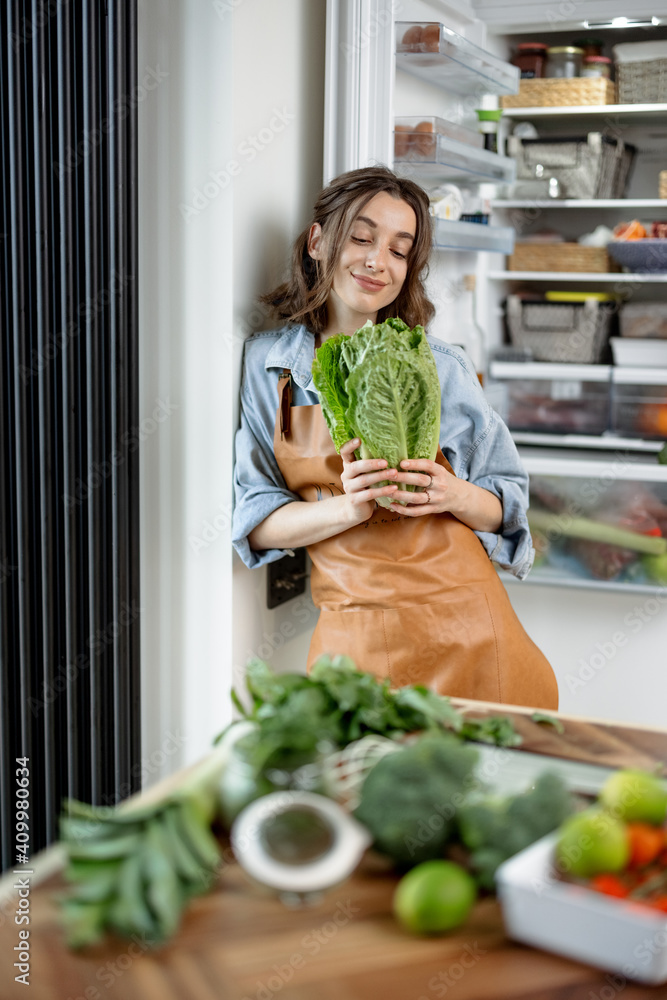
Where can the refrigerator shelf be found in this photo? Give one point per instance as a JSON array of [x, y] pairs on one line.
[[551, 276], [549, 576], [580, 203], [472, 236], [452, 62], [450, 159], [585, 114]]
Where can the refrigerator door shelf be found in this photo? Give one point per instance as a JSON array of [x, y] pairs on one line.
[[472, 236], [448, 159], [442, 57]]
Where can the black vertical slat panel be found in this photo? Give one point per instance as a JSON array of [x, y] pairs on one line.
[[19, 733], [92, 380], [130, 513], [8, 613], [69, 662], [69, 608], [44, 443], [55, 345], [80, 429], [124, 16]]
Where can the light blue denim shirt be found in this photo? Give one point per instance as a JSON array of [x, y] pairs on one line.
[[473, 438]]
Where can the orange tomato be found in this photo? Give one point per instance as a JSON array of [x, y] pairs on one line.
[[646, 843], [630, 231], [652, 418]]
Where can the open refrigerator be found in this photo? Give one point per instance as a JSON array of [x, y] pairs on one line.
[[598, 609]]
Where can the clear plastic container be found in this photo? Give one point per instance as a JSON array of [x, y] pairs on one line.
[[416, 137], [555, 398], [639, 403], [564, 61], [644, 319]]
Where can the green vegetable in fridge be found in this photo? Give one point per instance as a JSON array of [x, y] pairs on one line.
[[656, 567], [381, 385], [595, 531], [409, 799], [494, 829]]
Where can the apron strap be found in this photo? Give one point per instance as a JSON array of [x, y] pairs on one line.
[[285, 398]]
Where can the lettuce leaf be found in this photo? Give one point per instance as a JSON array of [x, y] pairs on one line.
[[381, 385]]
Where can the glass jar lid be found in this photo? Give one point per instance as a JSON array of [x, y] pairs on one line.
[[532, 46], [570, 50], [597, 59]]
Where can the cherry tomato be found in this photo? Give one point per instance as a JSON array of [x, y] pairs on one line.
[[646, 843], [610, 885]]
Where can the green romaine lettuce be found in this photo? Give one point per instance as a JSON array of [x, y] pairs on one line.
[[381, 385]]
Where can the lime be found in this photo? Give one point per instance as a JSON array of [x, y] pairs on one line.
[[434, 896], [591, 842], [635, 796]]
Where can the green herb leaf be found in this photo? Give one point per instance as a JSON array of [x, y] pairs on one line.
[[548, 720]]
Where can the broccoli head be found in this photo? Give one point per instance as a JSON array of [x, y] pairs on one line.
[[409, 799], [496, 829]]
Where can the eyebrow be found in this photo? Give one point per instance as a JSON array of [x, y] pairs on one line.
[[365, 218]]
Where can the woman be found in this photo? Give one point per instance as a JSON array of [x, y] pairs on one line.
[[408, 592]]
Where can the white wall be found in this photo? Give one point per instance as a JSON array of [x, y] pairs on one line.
[[185, 301], [278, 106], [607, 649]]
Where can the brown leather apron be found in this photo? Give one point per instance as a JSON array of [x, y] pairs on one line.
[[413, 599]]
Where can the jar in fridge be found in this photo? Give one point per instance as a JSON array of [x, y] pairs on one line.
[[531, 58], [563, 61], [597, 66], [589, 46]]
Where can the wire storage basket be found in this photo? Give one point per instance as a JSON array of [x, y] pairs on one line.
[[571, 332], [590, 166]]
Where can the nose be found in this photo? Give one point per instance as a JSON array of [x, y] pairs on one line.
[[375, 258]]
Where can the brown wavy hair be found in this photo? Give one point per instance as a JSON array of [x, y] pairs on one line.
[[303, 297]]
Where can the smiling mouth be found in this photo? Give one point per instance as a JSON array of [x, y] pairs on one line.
[[369, 283]]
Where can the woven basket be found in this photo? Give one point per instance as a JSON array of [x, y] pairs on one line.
[[575, 333], [560, 257], [662, 191], [642, 82], [557, 93]]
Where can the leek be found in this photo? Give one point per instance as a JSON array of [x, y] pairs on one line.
[[595, 531]]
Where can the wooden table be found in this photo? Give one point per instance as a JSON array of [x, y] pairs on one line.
[[237, 942]]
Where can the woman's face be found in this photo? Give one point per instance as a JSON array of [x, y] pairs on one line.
[[373, 264]]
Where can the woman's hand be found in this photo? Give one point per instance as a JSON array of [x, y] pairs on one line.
[[443, 493], [440, 489], [359, 477]]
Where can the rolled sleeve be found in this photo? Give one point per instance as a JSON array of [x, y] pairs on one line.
[[480, 449], [496, 467], [259, 487]]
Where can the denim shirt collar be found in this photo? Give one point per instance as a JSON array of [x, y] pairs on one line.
[[295, 350]]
